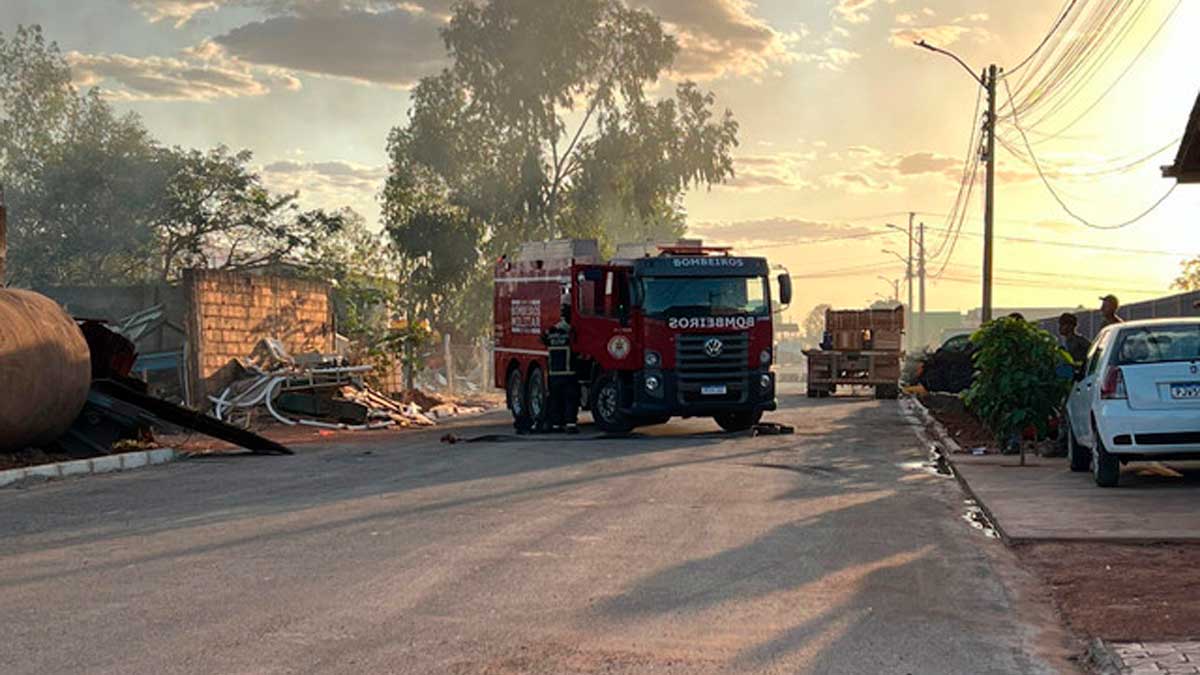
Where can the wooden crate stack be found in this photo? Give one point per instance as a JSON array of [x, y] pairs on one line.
[[865, 329]]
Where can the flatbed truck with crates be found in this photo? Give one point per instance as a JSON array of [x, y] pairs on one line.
[[861, 348]]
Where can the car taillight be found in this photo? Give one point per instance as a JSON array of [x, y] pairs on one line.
[[1114, 385]]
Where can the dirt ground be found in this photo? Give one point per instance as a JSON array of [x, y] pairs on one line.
[[962, 426], [30, 457], [1122, 592]]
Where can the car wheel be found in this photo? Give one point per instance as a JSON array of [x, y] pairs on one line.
[[536, 398], [1078, 456], [738, 421], [608, 396], [1106, 468], [516, 400]]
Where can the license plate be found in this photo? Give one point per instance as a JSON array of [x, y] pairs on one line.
[[1186, 390], [714, 390]]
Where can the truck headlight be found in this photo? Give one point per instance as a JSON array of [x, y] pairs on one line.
[[653, 383], [764, 358], [652, 359], [764, 381]]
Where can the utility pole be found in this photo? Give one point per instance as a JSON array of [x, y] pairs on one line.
[[909, 275], [988, 82], [921, 273], [989, 204]]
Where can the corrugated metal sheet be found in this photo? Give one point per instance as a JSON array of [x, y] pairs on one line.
[[1090, 323]]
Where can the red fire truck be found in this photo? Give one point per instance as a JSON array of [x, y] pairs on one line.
[[655, 333]]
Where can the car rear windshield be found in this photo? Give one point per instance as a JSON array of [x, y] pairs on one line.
[[1159, 344]]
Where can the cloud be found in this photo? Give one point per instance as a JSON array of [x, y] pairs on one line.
[[917, 163], [832, 58], [177, 11], [785, 170], [853, 11], [396, 41], [202, 73], [722, 37], [856, 182], [942, 35], [329, 184], [863, 151], [394, 47], [778, 231]]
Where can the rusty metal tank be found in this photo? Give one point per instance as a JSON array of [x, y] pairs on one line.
[[45, 370]]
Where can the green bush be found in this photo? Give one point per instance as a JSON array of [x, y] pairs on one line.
[[1016, 384]]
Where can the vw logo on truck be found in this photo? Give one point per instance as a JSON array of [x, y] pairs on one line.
[[714, 347]]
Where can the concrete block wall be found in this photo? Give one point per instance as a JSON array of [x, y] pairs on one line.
[[229, 313]]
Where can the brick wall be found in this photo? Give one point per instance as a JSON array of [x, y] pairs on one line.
[[228, 313]]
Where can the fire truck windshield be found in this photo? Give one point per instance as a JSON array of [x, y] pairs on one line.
[[711, 296]]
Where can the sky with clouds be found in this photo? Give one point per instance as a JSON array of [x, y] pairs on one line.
[[846, 126]]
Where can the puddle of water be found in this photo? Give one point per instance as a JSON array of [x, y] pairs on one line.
[[978, 519], [936, 464]]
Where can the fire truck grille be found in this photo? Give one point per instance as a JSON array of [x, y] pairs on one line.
[[700, 366]]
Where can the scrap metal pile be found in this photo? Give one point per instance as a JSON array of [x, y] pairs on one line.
[[315, 391]]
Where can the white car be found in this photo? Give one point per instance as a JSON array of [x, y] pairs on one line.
[[1138, 399]]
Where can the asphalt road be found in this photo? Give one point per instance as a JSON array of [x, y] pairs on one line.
[[683, 550]]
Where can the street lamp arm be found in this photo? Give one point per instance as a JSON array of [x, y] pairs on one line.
[[925, 45]]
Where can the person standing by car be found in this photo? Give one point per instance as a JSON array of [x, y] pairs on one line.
[[1075, 344], [1077, 347], [1109, 305]]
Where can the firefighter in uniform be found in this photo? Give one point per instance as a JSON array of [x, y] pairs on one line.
[[563, 409]]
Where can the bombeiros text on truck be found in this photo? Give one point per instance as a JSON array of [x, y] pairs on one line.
[[657, 332]]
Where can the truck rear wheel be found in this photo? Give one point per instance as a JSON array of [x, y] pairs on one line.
[[536, 400], [516, 400], [608, 395], [738, 421]]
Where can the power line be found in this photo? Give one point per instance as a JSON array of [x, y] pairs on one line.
[[1091, 64], [971, 165], [959, 227], [965, 233], [1091, 247], [1047, 275], [1112, 85], [1041, 174], [1053, 29], [1014, 283]]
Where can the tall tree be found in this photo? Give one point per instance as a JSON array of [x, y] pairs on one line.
[[83, 184], [94, 199], [814, 324], [542, 128], [1189, 276], [218, 214]]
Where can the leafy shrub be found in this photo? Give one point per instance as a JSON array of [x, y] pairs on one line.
[[1016, 384]]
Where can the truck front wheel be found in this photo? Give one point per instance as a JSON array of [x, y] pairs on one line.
[[516, 401], [738, 421], [607, 397]]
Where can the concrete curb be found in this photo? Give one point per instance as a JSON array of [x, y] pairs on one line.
[[943, 437], [948, 447], [83, 467]]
